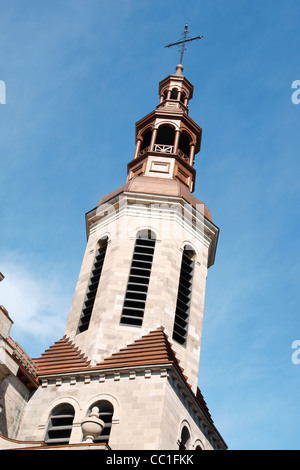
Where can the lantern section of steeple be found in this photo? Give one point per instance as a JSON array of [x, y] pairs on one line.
[[167, 139]]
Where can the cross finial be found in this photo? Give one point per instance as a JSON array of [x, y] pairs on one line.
[[184, 39]]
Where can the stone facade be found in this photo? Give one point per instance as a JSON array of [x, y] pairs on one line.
[[105, 334], [147, 411]]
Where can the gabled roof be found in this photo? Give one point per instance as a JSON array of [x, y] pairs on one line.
[[62, 356]]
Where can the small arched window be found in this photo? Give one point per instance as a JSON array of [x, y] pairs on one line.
[[174, 94], [92, 288], [184, 296], [165, 135], [60, 425], [184, 144], [184, 439], [139, 277], [106, 411], [146, 140]]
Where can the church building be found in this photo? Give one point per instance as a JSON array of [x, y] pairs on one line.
[[124, 375]]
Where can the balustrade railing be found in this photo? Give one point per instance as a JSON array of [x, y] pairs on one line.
[[163, 148], [181, 154]]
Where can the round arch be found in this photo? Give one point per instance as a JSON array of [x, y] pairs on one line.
[[184, 143], [104, 239], [145, 136], [174, 93], [44, 420], [185, 130], [165, 134], [198, 445], [64, 399], [187, 246], [104, 397], [145, 228], [103, 236], [184, 435]]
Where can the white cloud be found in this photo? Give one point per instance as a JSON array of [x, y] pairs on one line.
[[38, 306]]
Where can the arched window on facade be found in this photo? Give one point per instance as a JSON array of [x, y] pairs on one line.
[[139, 277], [184, 439], [182, 312], [106, 411], [92, 288], [60, 424]]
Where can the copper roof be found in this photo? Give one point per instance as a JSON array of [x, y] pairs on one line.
[[62, 356], [151, 349], [162, 186]]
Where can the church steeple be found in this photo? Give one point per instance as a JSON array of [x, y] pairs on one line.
[[131, 348], [167, 139], [156, 226]]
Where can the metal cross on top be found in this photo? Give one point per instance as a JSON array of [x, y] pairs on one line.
[[185, 39]]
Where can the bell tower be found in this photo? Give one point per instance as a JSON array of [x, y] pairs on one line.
[[168, 139], [150, 242], [131, 347]]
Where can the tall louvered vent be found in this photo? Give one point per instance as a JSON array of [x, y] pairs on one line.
[[184, 296], [137, 287], [92, 287]]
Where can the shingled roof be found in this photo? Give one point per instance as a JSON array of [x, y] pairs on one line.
[[153, 348], [62, 356]]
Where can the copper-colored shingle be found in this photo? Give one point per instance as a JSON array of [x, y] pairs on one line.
[[162, 186], [152, 348], [61, 356]]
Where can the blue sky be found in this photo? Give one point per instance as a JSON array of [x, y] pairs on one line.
[[78, 75]]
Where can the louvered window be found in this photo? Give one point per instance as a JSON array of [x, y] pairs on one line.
[[106, 412], [60, 425], [139, 277], [92, 287], [184, 296]]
